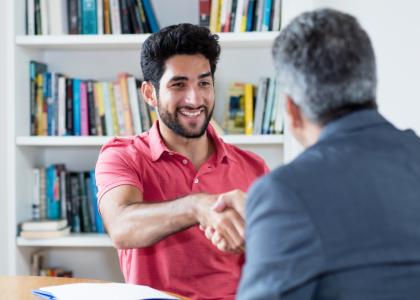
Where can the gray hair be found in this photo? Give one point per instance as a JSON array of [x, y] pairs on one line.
[[325, 62]]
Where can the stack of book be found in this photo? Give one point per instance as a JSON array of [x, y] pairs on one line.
[[254, 110], [241, 15], [38, 268], [57, 17], [60, 105], [41, 229]]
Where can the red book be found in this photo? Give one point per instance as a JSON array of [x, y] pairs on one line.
[[205, 12]]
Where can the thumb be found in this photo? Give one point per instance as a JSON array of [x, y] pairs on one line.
[[220, 204]]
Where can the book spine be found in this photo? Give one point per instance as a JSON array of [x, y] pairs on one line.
[[53, 199], [101, 107], [144, 112], [134, 16], [107, 17], [36, 191], [250, 15], [126, 104], [42, 194], [204, 12], [30, 17], [91, 108], [97, 111], [69, 214], [76, 107], [44, 17], [150, 16], [62, 105], [100, 16], [46, 80], [84, 109], [124, 13], [249, 108], [38, 26], [260, 105], [119, 108], [75, 202], [69, 107], [268, 107], [108, 113], [89, 19], [89, 203], [143, 21], [114, 116], [72, 10], [115, 16], [134, 103], [266, 16], [86, 226], [98, 218]]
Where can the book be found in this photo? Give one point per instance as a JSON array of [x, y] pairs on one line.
[[249, 108], [103, 291], [45, 234], [150, 16], [89, 18], [204, 12], [44, 225]]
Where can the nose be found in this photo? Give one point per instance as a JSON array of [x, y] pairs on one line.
[[194, 97]]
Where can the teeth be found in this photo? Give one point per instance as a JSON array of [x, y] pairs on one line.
[[190, 113]]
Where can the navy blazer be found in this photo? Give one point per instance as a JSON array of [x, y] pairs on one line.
[[341, 221]]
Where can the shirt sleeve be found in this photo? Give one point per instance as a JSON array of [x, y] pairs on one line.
[[117, 165], [283, 250]]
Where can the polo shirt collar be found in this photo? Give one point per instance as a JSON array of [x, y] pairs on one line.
[[158, 147]]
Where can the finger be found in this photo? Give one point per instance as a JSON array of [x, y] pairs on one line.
[[220, 204], [216, 238], [209, 232], [202, 228], [222, 246], [231, 229]]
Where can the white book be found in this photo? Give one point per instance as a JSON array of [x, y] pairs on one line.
[[57, 17], [279, 118], [260, 14], [115, 16], [277, 15], [134, 102], [226, 8], [238, 16], [260, 104], [36, 192], [30, 16], [44, 225], [44, 17], [100, 16], [108, 112], [62, 106], [45, 234]]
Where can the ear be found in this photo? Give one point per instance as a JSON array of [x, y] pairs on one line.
[[149, 93], [294, 113]]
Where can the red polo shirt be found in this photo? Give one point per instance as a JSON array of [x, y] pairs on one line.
[[185, 262]]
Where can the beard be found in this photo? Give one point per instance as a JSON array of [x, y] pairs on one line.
[[172, 121]]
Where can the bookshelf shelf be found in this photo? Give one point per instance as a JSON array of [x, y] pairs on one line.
[[132, 41], [74, 240], [64, 141]]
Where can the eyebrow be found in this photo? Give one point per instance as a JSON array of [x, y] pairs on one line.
[[185, 78]]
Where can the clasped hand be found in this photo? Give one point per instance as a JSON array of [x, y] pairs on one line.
[[224, 223]]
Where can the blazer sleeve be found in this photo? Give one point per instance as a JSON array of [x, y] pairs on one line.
[[283, 251]]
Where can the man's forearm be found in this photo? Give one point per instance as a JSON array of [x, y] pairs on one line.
[[144, 224]]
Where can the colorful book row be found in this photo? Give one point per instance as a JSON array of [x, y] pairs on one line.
[[58, 17], [61, 194], [255, 110], [241, 15], [61, 106]]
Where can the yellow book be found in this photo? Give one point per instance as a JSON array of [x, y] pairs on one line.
[[101, 105], [128, 122], [215, 15], [114, 114], [219, 17], [249, 108], [40, 105]]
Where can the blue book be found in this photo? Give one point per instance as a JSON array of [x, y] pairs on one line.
[[266, 16], [48, 98], [251, 15], [53, 194], [89, 19], [150, 16], [94, 190], [76, 107]]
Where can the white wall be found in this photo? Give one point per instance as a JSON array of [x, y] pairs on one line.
[[394, 28], [3, 123]]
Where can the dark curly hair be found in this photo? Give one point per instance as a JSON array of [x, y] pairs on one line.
[[173, 40]]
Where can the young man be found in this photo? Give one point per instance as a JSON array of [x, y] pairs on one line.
[[156, 188], [341, 221]]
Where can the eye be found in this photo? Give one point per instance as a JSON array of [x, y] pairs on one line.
[[178, 85], [205, 83]]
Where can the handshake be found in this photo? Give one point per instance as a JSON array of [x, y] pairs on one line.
[[221, 218]]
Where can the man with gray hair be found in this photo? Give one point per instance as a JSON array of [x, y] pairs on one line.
[[342, 220]]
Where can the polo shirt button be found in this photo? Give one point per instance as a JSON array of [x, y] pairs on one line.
[[196, 180], [171, 153], [184, 161]]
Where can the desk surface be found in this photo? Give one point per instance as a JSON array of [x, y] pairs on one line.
[[20, 287]]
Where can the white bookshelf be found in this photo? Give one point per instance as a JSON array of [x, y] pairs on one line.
[[245, 57], [74, 240], [132, 41], [64, 141]]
